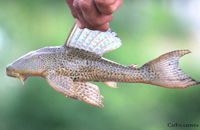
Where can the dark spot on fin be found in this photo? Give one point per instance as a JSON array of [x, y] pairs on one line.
[[62, 84], [89, 93]]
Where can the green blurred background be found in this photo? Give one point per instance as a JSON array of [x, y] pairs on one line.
[[147, 30]]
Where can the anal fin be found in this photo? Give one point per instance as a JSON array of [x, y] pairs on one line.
[[89, 93]]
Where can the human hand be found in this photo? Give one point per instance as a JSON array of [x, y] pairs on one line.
[[93, 14]]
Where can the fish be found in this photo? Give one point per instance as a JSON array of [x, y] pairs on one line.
[[70, 68]]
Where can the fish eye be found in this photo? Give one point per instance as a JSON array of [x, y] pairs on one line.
[[38, 56]]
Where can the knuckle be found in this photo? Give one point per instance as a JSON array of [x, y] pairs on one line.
[[102, 20], [76, 5], [100, 2], [74, 14], [109, 11], [96, 22], [84, 4], [106, 7]]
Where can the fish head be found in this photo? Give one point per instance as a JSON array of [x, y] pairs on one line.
[[32, 64]]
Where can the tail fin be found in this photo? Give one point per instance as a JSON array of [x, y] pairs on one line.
[[166, 72]]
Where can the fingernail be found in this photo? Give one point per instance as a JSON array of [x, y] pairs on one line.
[[79, 24]]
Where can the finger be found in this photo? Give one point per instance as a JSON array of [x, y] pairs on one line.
[[75, 5], [89, 17], [107, 6], [70, 4], [79, 23], [92, 15], [80, 20], [102, 28]]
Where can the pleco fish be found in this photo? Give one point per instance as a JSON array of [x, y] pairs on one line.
[[69, 68]]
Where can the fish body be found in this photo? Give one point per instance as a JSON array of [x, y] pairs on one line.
[[70, 68], [78, 64]]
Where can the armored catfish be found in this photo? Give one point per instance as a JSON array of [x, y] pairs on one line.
[[69, 68]]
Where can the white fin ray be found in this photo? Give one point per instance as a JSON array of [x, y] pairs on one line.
[[93, 41]]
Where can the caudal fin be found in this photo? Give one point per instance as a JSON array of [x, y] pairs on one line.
[[166, 72]]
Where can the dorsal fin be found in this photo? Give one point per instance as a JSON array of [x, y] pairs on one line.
[[93, 41]]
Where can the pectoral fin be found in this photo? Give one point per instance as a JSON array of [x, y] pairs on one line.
[[89, 93], [62, 84]]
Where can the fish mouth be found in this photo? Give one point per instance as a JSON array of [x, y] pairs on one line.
[[10, 71]]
